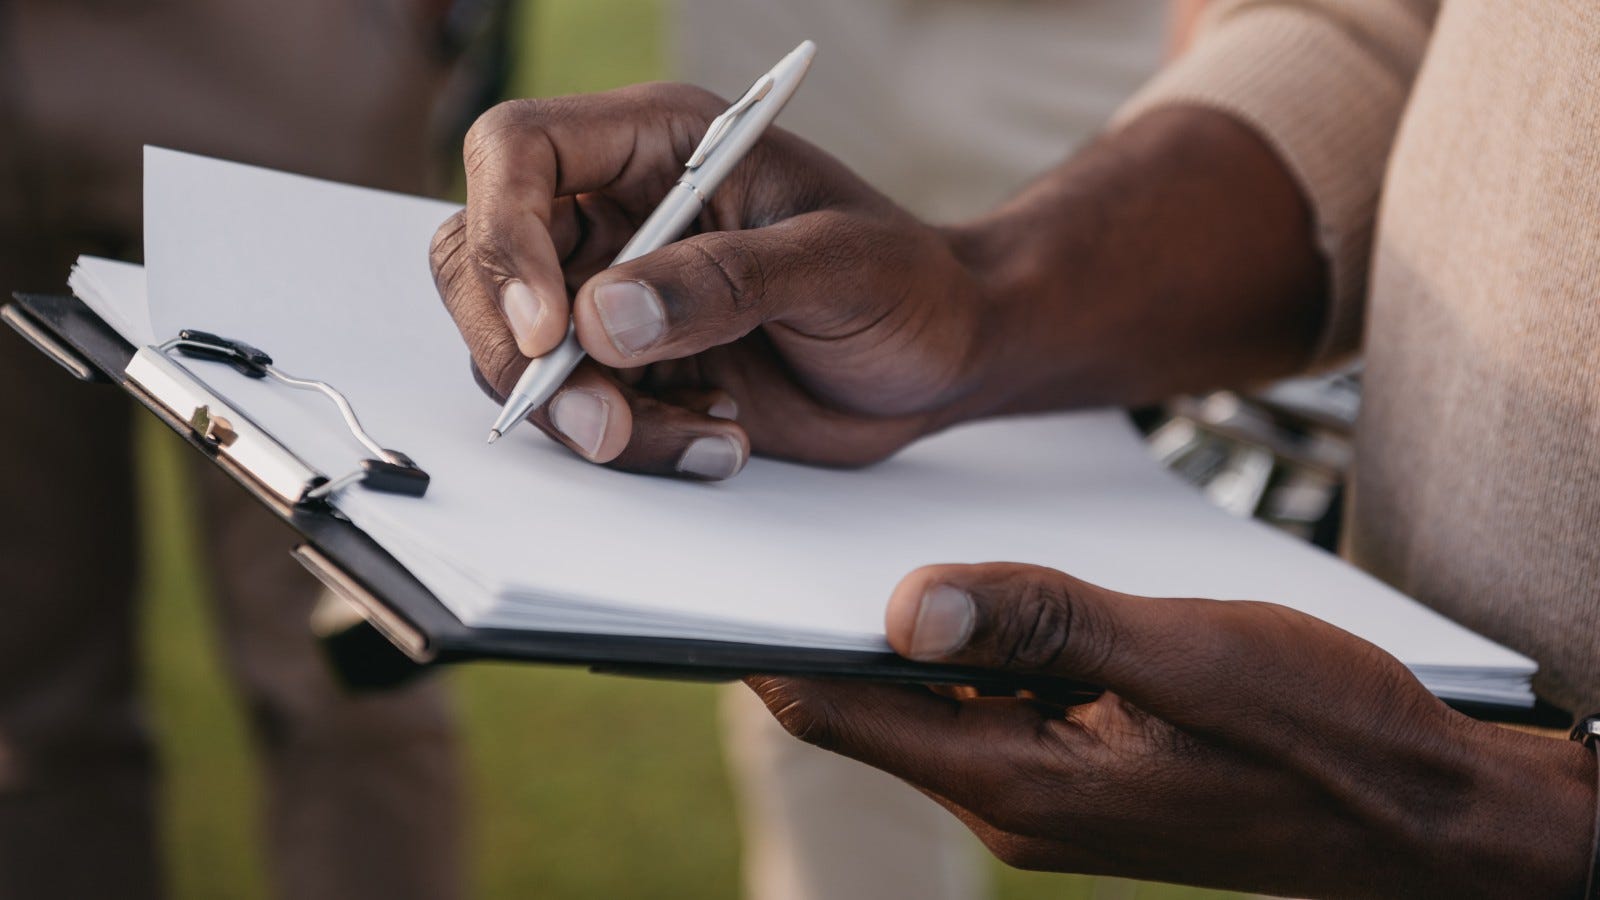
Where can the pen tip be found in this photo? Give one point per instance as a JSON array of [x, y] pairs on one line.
[[494, 435]]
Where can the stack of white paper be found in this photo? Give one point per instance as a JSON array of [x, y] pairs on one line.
[[333, 281]]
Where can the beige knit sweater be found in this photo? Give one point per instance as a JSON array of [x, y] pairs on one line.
[[1451, 152]]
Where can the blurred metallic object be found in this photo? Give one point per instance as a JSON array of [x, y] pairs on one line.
[[361, 651], [1280, 455]]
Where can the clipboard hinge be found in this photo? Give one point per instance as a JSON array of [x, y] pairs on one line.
[[398, 631], [24, 324]]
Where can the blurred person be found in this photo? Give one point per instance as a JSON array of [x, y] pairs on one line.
[[947, 106], [1415, 178], [362, 792]]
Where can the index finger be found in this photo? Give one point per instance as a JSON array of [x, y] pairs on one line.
[[961, 751], [522, 155]]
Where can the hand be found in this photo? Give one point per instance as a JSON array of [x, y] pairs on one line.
[[807, 317], [1238, 745]]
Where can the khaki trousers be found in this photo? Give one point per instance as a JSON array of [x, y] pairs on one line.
[[819, 826], [362, 792]]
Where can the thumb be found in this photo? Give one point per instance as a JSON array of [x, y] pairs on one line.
[[1038, 621], [714, 288]]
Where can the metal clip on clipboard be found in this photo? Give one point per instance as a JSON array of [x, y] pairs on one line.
[[232, 435]]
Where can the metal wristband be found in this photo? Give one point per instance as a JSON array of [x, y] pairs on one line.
[[1587, 732]]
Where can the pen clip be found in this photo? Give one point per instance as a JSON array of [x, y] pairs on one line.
[[721, 124]]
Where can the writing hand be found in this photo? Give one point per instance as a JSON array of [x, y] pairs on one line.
[[806, 317]]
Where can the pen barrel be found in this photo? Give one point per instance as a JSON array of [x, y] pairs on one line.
[[545, 375], [676, 213]]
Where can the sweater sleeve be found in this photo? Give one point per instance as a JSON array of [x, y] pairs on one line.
[[1324, 82]]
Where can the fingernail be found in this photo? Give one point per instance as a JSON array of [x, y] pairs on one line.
[[581, 416], [714, 458], [631, 314], [724, 409], [943, 624], [523, 312]]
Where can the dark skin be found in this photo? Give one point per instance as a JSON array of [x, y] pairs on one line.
[[856, 327], [1239, 745]]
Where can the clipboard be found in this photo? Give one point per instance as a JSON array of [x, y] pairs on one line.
[[397, 606]]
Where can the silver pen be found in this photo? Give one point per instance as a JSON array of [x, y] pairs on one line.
[[727, 140]]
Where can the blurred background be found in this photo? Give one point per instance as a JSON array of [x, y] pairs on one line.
[[579, 786]]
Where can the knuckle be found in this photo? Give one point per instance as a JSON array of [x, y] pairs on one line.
[[1036, 628], [506, 366], [734, 267], [682, 111], [495, 351], [655, 93], [1080, 631], [810, 722], [677, 96], [444, 251], [492, 131], [1092, 640], [491, 248]]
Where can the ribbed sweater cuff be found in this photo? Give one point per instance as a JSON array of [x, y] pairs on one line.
[[1329, 107]]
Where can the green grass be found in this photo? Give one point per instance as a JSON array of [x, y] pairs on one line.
[[576, 46], [581, 786], [589, 786], [211, 789]]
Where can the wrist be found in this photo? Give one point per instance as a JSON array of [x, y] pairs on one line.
[[1527, 829], [1175, 255], [1033, 352]]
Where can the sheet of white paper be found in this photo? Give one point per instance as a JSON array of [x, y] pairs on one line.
[[115, 291], [333, 281]]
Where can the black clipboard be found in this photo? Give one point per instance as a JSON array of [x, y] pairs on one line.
[[399, 607]]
